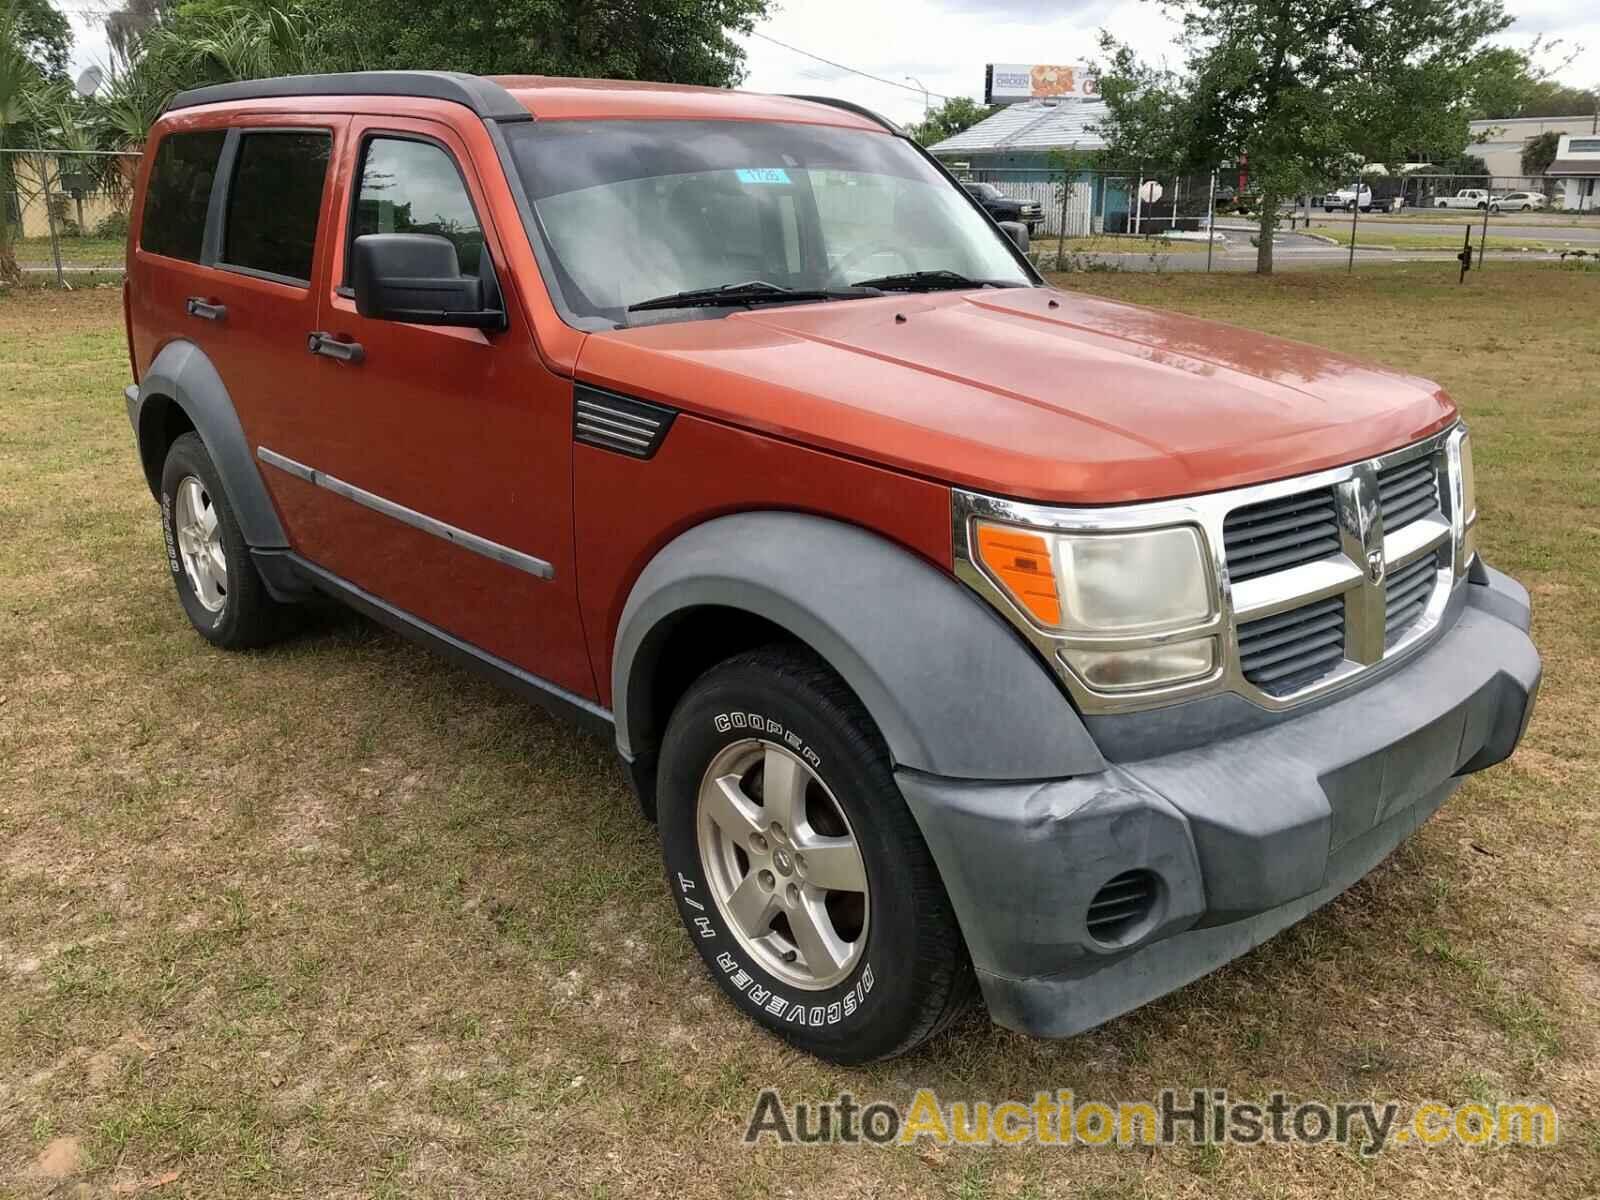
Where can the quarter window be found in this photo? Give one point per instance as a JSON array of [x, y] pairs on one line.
[[179, 193], [414, 187], [274, 201]]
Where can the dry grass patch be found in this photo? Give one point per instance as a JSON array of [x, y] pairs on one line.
[[339, 920]]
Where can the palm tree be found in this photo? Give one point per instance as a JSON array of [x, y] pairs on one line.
[[19, 80]]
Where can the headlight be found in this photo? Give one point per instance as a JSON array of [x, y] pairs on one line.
[[1121, 601]]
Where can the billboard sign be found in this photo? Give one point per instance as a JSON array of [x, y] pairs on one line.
[[1007, 83]]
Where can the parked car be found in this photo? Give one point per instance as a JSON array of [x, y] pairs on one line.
[[1004, 208], [959, 634], [1517, 202], [1465, 198]]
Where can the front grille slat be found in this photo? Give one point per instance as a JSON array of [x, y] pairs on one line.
[[1277, 534], [1286, 651], [1408, 492], [1407, 595]]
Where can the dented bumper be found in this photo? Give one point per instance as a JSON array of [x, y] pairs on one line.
[[1211, 849]]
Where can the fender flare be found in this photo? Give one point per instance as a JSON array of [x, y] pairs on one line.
[[183, 375], [953, 689]]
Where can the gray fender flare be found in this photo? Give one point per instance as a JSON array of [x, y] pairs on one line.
[[185, 376], [953, 689]]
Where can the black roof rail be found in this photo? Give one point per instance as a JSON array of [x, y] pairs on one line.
[[483, 96], [851, 107]]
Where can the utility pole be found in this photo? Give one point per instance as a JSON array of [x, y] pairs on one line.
[[924, 87]]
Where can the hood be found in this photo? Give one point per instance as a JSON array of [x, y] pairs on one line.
[[1027, 392]]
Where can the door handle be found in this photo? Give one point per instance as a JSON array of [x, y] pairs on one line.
[[199, 306], [328, 346]]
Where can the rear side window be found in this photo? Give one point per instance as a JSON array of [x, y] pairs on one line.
[[414, 187], [179, 193], [274, 201]]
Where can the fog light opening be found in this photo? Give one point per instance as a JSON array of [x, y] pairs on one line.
[[1122, 911]]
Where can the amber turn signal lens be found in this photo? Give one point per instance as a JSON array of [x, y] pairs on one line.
[[1021, 561]]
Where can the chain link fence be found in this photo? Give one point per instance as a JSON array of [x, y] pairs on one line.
[[1107, 219], [66, 211]]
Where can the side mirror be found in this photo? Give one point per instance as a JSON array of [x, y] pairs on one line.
[[1017, 232], [416, 278]]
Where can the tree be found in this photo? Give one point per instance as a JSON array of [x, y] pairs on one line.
[[950, 118], [674, 41], [1539, 152], [1303, 90], [1521, 83], [43, 35], [20, 76]]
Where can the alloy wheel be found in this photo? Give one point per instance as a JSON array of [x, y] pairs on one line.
[[783, 864], [199, 534]]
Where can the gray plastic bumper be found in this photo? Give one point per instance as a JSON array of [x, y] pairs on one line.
[[1239, 838]]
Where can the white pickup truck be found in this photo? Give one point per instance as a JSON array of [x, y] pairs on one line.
[[1465, 198]]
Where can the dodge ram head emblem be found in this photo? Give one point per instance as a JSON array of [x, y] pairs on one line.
[[1375, 566]]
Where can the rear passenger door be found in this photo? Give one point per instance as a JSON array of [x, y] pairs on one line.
[[265, 245], [431, 432]]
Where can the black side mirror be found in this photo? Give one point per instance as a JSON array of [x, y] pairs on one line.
[[1017, 232], [416, 278]]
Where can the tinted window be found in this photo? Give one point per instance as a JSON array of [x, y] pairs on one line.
[[414, 187], [274, 201], [179, 192]]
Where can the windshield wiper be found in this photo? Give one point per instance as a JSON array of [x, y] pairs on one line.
[[756, 291], [929, 281]]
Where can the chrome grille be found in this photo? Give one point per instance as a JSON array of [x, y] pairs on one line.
[[1277, 534], [1408, 492], [1283, 653], [1409, 589]]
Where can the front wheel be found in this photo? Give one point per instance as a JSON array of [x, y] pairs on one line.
[[796, 866]]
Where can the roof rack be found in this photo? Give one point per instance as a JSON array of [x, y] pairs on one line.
[[483, 96], [848, 106]]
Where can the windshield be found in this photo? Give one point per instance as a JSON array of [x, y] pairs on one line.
[[629, 211]]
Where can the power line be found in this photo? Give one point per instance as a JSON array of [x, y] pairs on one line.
[[840, 66]]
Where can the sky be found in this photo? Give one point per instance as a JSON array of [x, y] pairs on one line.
[[944, 44]]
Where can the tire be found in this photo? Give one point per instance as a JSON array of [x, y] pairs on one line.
[[1527, 208], [230, 608], [1494, 208], [1442, 204], [900, 972]]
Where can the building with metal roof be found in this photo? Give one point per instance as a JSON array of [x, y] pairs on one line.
[[1023, 136]]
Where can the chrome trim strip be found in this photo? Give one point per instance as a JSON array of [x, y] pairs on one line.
[[1345, 574], [536, 567]]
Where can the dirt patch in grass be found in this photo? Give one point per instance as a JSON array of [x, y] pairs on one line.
[[336, 919]]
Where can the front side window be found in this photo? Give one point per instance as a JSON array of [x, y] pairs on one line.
[[179, 193], [414, 187], [633, 210], [274, 201]]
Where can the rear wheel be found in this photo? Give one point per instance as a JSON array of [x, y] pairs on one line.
[[217, 583], [797, 868]]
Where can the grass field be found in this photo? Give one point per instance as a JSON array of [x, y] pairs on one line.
[[75, 252], [1045, 249], [1376, 235], [338, 920]]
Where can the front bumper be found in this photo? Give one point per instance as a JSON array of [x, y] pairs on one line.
[[1239, 837]]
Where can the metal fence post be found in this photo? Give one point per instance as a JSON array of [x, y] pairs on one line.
[[1211, 221], [1355, 216], [50, 219], [1483, 244]]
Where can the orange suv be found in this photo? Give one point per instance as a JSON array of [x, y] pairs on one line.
[[961, 635]]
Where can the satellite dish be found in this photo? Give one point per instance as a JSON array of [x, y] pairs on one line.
[[89, 82]]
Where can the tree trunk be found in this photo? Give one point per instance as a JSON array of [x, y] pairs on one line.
[[1269, 223]]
